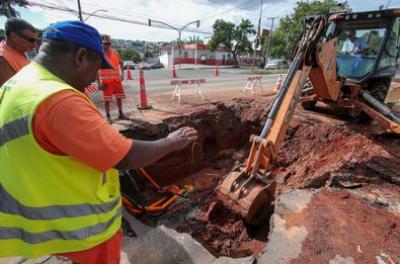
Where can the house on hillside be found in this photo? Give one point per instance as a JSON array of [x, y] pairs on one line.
[[195, 53]]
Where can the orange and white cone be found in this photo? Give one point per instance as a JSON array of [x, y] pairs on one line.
[[278, 85], [129, 74], [216, 70], [174, 72], [143, 94]]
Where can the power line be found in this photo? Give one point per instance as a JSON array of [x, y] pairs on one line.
[[109, 17], [124, 12], [228, 10]]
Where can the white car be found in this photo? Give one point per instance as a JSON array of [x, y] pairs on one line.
[[129, 65], [276, 64]]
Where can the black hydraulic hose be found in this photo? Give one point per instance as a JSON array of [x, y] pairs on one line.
[[310, 35], [282, 93], [380, 107]]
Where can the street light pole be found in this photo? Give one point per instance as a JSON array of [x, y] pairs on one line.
[[179, 30], [270, 38], [257, 40], [80, 10]]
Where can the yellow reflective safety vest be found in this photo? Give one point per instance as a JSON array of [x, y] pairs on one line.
[[48, 203]]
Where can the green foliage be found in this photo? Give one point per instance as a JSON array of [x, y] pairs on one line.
[[130, 54], [193, 39], [223, 33], [7, 7], [234, 38], [148, 54], [284, 39]]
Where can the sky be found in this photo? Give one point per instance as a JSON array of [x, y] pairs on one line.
[[173, 12]]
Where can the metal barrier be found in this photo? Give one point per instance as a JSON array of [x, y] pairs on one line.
[[253, 81], [92, 88], [178, 83]]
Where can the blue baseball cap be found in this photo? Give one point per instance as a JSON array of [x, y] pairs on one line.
[[79, 33]]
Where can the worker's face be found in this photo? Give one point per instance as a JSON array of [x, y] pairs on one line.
[[87, 65], [351, 36], [25, 41], [107, 47]]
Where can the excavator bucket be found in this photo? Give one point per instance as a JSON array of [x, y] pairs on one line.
[[249, 197]]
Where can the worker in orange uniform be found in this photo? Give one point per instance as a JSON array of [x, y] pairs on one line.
[[59, 184], [111, 79], [21, 37]]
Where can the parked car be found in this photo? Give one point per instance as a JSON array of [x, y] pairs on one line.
[[276, 64], [129, 65], [144, 66], [157, 66]]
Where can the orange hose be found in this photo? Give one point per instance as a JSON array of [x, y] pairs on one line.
[[157, 206]]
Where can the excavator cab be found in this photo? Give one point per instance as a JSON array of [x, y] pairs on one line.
[[349, 60], [367, 48]]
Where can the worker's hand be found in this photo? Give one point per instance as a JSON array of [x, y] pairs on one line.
[[182, 137]]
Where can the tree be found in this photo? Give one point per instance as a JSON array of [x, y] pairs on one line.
[[235, 39], [130, 54], [7, 8], [193, 39], [284, 39]]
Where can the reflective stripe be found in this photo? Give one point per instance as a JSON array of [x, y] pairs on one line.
[[35, 238], [10, 205], [109, 75], [14, 129]]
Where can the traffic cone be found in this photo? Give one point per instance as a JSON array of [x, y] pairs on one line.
[[129, 74], [174, 72], [216, 70], [278, 84], [143, 94]]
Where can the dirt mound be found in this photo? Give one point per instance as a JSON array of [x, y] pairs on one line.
[[316, 153]]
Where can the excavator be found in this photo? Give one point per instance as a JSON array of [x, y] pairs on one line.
[[343, 60]]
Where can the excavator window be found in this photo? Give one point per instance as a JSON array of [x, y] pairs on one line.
[[359, 46], [390, 51], [358, 50]]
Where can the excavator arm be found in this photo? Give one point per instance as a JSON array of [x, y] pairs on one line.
[[247, 189]]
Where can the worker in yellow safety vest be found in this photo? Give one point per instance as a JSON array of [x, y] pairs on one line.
[[59, 184]]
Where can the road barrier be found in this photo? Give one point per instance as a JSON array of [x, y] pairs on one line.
[[253, 81], [178, 83], [143, 94], [90, 89]]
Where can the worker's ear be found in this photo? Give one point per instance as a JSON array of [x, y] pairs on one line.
[[81, 56], [14, 36]]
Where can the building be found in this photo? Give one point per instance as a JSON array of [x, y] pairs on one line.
[[195, 53]]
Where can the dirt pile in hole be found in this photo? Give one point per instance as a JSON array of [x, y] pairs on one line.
[[316, 153]]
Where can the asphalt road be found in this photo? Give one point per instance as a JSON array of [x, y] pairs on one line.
[[159, 80]]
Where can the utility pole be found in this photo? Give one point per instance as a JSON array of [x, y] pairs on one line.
[[179, 30], [80, 10], [257, 40], [270, 37]]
